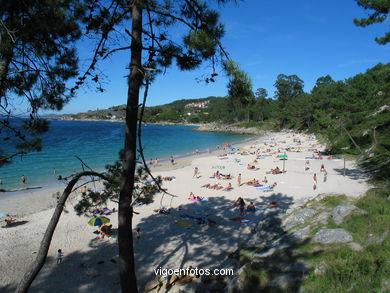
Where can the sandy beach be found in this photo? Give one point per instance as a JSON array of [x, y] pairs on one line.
[[174, 240]]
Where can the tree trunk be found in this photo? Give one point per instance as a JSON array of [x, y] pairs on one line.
[[37, 265], [351, 138], [125, 215]]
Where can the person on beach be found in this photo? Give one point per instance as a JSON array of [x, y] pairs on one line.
[[251, 207], [54, 172], [229, 187], [84, 190], [155, 162], [307, 165], [196, 173], [325, 175], [59, 256], [172, 160], [265, 180], [322, 168], [23, 179], [9, 220], [240, 203], [239, 180], [151, 162], [242, 207], [315, 181]]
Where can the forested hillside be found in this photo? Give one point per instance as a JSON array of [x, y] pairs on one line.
[[351, 116]]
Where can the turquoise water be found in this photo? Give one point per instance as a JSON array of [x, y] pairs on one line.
[[97, 143]]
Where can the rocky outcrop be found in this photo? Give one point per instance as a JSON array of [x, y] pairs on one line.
[[340, 212], [327, 236], [215, 127], [298, 218]]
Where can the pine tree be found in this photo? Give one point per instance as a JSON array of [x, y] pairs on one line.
[[37, 57]]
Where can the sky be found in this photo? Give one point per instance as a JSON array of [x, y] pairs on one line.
[[309, 38]]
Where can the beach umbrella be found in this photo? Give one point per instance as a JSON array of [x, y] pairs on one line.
[[98, 221], [283, 158]]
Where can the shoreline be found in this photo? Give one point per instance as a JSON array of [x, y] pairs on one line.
[[12, 201], [43, 176], [88, 265]]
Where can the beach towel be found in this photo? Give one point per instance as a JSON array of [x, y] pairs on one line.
[[184, 223], [239, 219], [107, 211], [262, 187]]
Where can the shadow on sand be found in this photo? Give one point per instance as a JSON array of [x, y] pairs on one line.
[[182, 239], [354, 174]]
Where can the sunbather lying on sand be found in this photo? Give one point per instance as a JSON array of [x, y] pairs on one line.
[[253, 182], [229, 187], [162, 210], [213, 186], [250, 167], [226, 176], [168, 178], [9, 220], [194, 197], [274, 171]]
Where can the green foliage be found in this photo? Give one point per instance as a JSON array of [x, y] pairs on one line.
[[288, 87], [343, 113], [37, 58], [380, 12], [144, 189], [239, 86], [352, 271]]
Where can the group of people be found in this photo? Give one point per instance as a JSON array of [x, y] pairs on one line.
[[153, 163], [315, 181], [240, 204]]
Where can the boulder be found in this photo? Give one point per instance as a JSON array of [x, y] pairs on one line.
[[340, 212], [298, 218], [327, 236], [300, 234]]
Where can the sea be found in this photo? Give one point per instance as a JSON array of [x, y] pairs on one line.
[[97, 144]]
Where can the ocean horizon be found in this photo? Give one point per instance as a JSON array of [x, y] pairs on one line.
[[97, 144]]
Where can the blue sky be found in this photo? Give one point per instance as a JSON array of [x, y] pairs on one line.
[[309, 38]]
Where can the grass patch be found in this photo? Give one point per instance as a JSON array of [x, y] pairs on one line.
[[329, 201], [349, 270], [333, 201], [352, 271], [375, 222]]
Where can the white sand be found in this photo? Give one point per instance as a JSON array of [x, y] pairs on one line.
[[164, 243]]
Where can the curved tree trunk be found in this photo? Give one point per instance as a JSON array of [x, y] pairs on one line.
[[37, 265], [125, 214]]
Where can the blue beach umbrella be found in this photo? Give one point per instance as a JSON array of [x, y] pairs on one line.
[[98, 221]]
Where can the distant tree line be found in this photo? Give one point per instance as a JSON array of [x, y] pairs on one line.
[[352, 116]]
